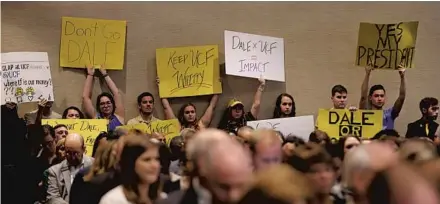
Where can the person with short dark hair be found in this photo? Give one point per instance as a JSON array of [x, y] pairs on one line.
[[73, 112], [339, 99], [425, 126], [375, 98], [145, 103]]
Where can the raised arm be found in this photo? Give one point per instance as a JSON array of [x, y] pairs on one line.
[[87, 104], [363, 103], [255, 109], [120, 110], [167, 110], [209, 112], [41, 105], [402, 93]]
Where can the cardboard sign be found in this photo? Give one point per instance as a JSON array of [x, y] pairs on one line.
[[387, 45], [92, 41], [89, 129], [26, 77], [188, 71], [300, 126], [341, 122], [249, 55]]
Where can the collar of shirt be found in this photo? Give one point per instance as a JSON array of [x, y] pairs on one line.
[[141, 120]]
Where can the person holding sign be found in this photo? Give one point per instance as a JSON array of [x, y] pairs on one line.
[[284, 106], [234, 116], [108, 107], [44, 111], [376, 97], [187, 115]]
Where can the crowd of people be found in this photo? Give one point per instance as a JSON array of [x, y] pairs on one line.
[[232, 163]]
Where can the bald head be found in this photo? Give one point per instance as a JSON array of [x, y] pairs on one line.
[[74, 146], [204, 140], [225, 162], [245, 132], [75, 138]]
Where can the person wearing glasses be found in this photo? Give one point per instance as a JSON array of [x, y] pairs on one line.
[[60, 176], [108, 106]]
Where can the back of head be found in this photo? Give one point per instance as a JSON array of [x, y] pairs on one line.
[[417, 150], [304, 156], [264, 137], [104, 161], [278, 184]]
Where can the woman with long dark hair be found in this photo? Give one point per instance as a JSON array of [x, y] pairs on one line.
[[108, 106], [284, 106], [73, 112], [234, 116]]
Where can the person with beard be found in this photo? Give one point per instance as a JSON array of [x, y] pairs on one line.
[[376, 97], [284, 106], [234, 117], [108, 106], [146, 108], [426, 126], [61, 175]]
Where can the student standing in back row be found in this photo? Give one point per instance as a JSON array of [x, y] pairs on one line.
[[376, 97]]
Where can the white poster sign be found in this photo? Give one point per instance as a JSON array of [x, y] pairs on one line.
[[249, 55], [300, 126], [26, 77]]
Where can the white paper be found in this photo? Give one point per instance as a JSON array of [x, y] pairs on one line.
[[26, 77], [300, 126], [249, 55]]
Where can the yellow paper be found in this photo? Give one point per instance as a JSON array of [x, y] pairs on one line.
[[387, 45], [342, 122], [92, 41], [169, 128], [188, 71], [140, 126], [89, 129]]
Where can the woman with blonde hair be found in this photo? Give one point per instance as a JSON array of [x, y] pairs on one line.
[[139, 172]]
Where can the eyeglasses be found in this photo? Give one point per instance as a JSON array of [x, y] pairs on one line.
[[105, 103], [72, 153]]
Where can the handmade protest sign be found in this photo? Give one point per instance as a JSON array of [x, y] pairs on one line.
[[26, 77], [188, 71], [92, 41], [89, 129], [300, 126], [143, 127], [169, 128], [387, 45], [249, 55], [341, 122]]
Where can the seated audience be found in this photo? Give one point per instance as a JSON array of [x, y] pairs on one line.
[[62, 175]]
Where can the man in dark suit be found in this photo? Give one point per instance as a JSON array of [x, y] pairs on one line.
[[426, 126], [221, 174]]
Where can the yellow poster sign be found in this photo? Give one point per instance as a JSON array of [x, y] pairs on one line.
[[169, 128], [140, 126], [188, 71], [387, 45], [89, 129], [342, 122], [92, 41]]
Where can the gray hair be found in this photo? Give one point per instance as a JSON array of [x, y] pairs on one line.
[[355, 160]]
